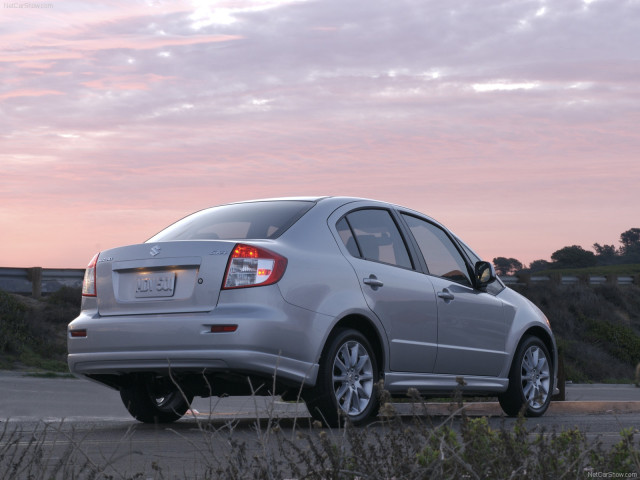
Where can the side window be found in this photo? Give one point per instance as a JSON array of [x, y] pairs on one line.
[[377, 237], [347, 237], [470, 253], [439, 252]]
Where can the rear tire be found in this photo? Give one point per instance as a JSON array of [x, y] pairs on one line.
[[153, 401], [530, 380], [346, 384]]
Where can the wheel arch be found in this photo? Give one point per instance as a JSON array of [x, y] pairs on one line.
[[366, 327], [524, 392], [549, 342], [546, 338]]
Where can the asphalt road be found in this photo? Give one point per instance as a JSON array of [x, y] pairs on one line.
[[56, 413], [30, 398]]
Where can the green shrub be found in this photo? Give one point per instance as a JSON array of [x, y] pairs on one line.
[[63, 306], [29, 336], [14, 331], [597, 327], [619, 340], [67, 296]]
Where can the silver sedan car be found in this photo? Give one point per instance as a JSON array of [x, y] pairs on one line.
[[318, 298]]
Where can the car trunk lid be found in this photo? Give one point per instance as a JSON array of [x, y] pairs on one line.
[[166, 277]]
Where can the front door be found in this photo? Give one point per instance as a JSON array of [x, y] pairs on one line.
[[471, 323]]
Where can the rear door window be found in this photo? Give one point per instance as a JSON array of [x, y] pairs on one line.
[[240, 221], [372, 234]]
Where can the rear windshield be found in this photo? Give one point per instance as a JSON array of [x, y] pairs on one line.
[[240, 221]]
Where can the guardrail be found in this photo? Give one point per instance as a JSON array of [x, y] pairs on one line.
[[37, 281], [584, 279]]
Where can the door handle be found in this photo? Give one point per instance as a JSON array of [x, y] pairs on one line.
[[446, 295], [372, 281]]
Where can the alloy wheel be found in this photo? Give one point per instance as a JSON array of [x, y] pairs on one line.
[[536, 377], [353, 379]]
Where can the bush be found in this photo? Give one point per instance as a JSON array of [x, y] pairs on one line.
[[597, 328], [392, 448], [63, 306], [14, 331], [619, 340], [33, 332]]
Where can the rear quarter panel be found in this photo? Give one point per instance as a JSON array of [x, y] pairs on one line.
[[318, 276]]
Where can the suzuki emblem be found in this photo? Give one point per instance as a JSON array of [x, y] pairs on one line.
[[155, 250]]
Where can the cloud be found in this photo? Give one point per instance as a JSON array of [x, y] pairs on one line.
[[493, 112], [28, 93]]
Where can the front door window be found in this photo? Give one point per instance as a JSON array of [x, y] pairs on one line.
[[440, 254]]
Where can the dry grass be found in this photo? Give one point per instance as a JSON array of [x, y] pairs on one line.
[[391, 448]]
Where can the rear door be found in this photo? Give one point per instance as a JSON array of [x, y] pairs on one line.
[[402, 298]]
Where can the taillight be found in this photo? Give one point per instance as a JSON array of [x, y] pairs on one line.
[[252, 266], [89, 282]]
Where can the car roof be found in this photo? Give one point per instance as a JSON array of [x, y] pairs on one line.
[[336, 199]]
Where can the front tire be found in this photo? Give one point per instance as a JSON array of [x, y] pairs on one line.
[[346, 385], [530, 380], [155, 400]]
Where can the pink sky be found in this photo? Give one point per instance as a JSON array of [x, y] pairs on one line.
[[515, 123]]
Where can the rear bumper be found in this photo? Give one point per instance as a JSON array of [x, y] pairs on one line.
[[272, 338], [206, 361]]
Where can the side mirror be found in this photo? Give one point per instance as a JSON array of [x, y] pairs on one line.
[[485, 274]]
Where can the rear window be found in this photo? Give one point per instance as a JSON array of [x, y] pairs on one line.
[[239, 221]]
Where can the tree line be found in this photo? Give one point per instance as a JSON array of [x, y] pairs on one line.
[[575, 256]]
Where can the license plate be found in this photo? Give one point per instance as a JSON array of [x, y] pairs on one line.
[[159, 284]]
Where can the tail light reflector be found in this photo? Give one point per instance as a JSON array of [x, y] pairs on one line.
[[251, 266], [223, 328], [89, 282]]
